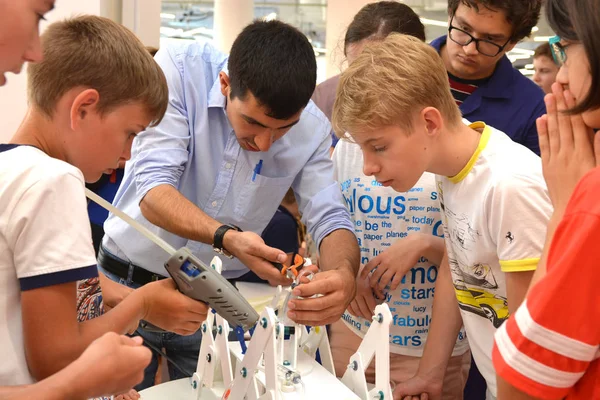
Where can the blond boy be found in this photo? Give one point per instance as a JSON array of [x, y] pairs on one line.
[[395, 102], [96, 88]]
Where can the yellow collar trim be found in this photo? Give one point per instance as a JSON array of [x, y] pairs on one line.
[[483, 141]]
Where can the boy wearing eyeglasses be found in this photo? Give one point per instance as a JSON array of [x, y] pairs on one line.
[[483, 81]]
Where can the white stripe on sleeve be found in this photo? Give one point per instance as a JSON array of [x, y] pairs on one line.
[[531, 368], [553, 341]]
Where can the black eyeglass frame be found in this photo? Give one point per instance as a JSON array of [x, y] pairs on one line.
[[474, 39]]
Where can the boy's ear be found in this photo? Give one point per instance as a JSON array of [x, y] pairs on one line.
[[225, 85], [433, 121], [83, 105]]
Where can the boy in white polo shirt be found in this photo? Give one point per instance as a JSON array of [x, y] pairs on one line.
[[493, 198], [83, 116]]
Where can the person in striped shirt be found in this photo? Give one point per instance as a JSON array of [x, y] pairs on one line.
[[483, 82], [550, 348]]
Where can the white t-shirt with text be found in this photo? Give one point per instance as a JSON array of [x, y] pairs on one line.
[[381, 216]]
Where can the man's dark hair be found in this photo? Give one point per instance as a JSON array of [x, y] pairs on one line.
[[378, 20], [275, 62], [523, 15], [578, 21]]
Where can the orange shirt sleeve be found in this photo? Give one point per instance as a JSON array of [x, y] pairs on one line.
[[547, 347]]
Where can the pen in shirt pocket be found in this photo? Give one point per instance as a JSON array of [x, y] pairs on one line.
[[257, 169]]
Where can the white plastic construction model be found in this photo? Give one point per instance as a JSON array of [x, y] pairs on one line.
[[271, 368], [276, 368]]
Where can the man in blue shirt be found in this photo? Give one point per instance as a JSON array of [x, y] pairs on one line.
[[483, 81], [238, 133]]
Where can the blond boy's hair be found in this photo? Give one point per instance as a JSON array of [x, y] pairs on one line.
[[97, 53], [388, 83]]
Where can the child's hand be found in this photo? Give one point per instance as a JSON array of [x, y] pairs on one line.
[[130, 395], [567, 146], [364, 303], [418, 388], [118, 363], [302, 250], [391, 265], [170, 309]]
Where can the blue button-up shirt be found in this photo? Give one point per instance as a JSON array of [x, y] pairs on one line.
[[508, 101], [194, 149]]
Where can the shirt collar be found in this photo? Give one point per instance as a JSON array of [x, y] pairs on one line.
[[483, 141], [215, 97], [6, 147], [499, 84]]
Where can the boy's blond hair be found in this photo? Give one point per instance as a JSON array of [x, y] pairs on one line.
[[388, 82], [95, 52]]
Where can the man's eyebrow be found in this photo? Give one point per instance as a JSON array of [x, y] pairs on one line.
[[498, 36], [255, 122], [289, 125], [462, 22]]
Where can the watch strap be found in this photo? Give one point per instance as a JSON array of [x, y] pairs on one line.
[[219, 234]]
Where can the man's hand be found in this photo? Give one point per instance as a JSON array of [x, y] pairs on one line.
[[419, 387], [170, 309], [364, 303], [338, 289], [118, 363], [567, 146], [391, 265], [252, 251]]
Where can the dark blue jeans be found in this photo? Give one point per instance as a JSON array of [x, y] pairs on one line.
[[476, 388], [182, 350]]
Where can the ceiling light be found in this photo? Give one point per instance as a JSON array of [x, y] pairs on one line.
[[434, 22]]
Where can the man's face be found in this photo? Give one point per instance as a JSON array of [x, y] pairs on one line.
[[467, 62], [254, 129], [19, 33], [394, 156], [103, 142]]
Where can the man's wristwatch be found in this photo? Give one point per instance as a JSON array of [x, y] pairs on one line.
[[218, 239]]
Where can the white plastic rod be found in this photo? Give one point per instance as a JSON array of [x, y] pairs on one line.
[[136, 225]]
